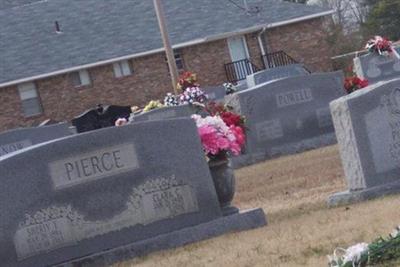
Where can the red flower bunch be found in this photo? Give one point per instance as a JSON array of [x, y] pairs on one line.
[[229, 117], [354, 83], [187, 79], [379, 45]]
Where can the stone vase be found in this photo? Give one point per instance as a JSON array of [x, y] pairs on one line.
[[224, 182]]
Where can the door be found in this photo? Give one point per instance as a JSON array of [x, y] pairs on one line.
[[239, 56]]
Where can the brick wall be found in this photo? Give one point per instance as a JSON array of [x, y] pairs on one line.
[[207, 60], [150, 79], [304, 41]]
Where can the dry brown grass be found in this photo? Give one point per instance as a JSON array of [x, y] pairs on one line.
[[301, 230]]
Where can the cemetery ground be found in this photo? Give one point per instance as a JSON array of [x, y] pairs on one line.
[[301, 230]]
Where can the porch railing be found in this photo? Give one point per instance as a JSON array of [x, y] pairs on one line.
[[238, 70], [277, 59]]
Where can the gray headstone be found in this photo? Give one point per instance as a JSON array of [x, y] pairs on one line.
[[241, 85], [16, 139], [367, 124], [96, 192], [287, 116], [275, 73], [376, 68], [164, 113], [215, 93]]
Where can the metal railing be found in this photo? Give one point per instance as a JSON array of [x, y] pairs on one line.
[[238, 70], [277, 59]]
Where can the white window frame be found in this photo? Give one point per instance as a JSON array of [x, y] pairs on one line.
[[84, 78], [28, 94], [122, 69]]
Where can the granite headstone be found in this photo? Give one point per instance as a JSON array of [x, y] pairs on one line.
[[111, 194], [17, 139], [275, 73], [367, 124], [215, 93], [287, 116], [100, 117], [374, 67], [164, 113]]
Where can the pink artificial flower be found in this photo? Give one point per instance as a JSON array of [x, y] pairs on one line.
[[121, 122], [239, 134]]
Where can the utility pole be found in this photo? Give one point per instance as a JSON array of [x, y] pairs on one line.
[[167, 45]]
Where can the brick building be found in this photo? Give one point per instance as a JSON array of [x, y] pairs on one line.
[[61, 57]]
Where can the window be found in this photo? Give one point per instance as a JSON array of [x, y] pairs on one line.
[[30, 100], [122, 68], [179, 61], [80, 78]]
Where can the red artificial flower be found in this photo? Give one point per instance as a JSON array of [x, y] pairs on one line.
[[187, 79], [354, 83], [230, 118]]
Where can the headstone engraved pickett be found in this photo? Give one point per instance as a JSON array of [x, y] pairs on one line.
[[287, 116], [17, 139], [164, 113], [377, 68], [110, 194], [368, 130]]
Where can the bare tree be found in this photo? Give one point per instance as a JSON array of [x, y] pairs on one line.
[[350, 14]]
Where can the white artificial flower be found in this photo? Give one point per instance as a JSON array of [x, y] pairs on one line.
[[353, 254], [395, 232]]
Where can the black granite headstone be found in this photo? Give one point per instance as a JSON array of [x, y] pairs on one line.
[[100, 117]]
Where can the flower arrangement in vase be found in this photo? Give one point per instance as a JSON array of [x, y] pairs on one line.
[[222, 135], [222, 132]]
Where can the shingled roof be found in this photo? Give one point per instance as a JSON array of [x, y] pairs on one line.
[[100, 31]]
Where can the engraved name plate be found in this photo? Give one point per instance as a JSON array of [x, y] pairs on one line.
[[294, 97], [162, 115], [92, 166], [269, 130], [60, 226], [8, 148], [168, 203], [43, 237]]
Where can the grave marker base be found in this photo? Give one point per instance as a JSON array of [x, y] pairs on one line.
[[348, 197], [246, 220], [287, 149]]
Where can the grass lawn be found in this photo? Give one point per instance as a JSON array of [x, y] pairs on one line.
[[301, 230]]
